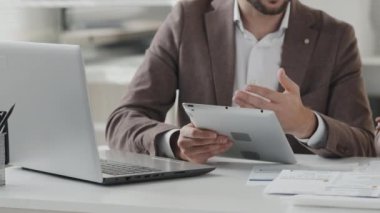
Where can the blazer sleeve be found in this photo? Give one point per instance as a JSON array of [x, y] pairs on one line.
[[350, 129], [136, 123]]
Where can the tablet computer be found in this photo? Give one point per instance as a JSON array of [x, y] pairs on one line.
[[257, 134]]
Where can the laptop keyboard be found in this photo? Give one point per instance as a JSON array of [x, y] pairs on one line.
[[118, 169]]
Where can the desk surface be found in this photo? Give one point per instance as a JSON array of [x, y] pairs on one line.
[[223, 190]]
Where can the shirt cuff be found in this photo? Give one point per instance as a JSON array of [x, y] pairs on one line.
[[163, 144], [318, 139]]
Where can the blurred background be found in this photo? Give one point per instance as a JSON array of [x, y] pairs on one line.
[[114, 35]]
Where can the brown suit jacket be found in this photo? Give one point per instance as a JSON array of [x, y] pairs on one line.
[[194, 52]]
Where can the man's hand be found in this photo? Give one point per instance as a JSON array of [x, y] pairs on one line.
[[294, 117], [377, 137], [378, 124], [198, 146]]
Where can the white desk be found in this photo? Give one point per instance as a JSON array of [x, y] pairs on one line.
[[223, 190]]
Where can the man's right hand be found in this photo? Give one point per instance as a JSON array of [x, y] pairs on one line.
[[378, 124], [197, 146]]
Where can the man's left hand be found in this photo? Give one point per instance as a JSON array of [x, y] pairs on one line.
[[295, 118]]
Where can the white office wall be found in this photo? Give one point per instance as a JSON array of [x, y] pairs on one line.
[[43, 24], [111, 16], [362, 14], [375, 19], [29, 24]]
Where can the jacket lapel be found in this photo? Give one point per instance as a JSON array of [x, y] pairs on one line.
[[221, 40], [299, 43]]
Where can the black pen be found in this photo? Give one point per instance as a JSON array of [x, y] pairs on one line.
[[5, 118]]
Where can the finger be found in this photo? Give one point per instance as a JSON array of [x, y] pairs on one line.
[[215, 152], [248, 100], [197, 156], [186, 143], [224, 148], [192, 132], [286, 82], [273, 96], [378, 119], [200, 150], [243, 104]]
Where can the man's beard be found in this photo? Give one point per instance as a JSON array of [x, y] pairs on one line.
[[267, 11]]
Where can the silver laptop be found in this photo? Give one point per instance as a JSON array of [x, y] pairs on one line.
[[51, 129]]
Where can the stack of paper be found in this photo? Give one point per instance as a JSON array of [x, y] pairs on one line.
[[373, 166], [2, 160], [265, 173], [349, 184], [335, 202]]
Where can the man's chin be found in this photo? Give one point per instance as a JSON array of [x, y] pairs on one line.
[[268, 8]]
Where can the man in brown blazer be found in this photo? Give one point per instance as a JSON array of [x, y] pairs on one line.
[[229, 52]]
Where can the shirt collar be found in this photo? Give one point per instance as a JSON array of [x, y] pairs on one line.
[[237, 17]]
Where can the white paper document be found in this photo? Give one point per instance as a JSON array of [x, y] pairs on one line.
[[351, 184], [265, 173], [335, 202], [373, 166]]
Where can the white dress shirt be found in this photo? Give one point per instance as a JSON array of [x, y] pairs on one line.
[[257, 62]]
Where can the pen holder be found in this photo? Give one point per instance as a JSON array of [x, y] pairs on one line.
[[2, 159], [6, 141]]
